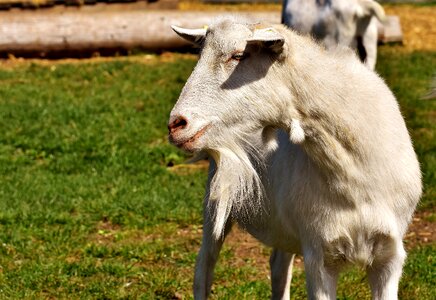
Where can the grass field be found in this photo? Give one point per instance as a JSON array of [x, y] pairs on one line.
[[90, 207]]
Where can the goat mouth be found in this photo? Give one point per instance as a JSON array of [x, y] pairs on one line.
[[189, 144]]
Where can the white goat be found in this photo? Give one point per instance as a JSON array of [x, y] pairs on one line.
[[350, 23], [311, 156]]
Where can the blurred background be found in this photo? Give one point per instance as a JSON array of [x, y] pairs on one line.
[[95, 203], [48, 28]]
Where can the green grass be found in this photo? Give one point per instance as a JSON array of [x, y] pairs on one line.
[[410, 77], [90, 210]]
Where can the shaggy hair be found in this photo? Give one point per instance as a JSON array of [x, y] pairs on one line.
[[236, 182]]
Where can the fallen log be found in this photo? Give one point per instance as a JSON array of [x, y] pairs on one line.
[[83, 30]]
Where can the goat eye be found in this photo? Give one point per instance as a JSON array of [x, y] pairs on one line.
[[239, 56]]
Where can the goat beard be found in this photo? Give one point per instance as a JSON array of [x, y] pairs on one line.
[[236, 190]]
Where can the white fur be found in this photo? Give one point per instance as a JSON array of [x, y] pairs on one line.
[[296, 134], [310, 155], [337, 22]]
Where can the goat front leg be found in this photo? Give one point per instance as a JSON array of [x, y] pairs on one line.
[[321, 281], [210, 246], [281, 274], [207, 258]]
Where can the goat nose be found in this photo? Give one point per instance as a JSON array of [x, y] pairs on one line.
[[178, 123]]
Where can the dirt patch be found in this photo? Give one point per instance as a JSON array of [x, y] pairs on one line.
[[248, 251], [105, 232], [186, 169], [188, 5], [422, 230], [166, 57], [108, 234]]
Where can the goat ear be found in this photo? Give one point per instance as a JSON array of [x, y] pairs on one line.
[[371, 8], [195, 36], [269, 38]]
